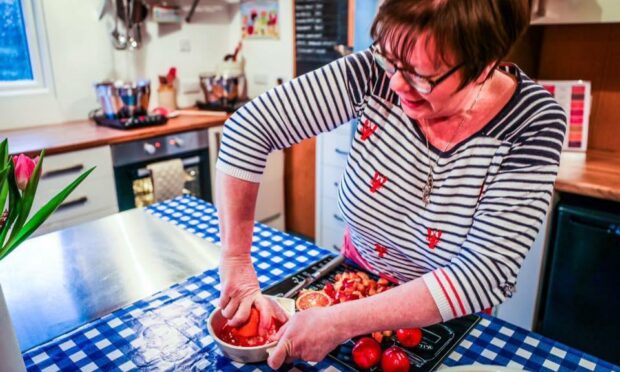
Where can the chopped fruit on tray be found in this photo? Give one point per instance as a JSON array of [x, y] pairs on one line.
[[366, 353], [348, 286], [247, 334], [308, 299]]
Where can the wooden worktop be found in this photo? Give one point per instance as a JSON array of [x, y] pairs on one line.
[[82, 134], [595, 174]]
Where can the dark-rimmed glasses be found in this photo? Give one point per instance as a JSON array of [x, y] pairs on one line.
[[420, 83]]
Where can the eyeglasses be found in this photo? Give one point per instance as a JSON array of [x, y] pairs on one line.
[[422, 84]]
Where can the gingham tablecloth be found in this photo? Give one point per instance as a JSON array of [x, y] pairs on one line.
[[168, 330]]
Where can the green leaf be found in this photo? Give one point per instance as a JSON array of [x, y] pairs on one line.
[[40, 217], [4, 152], [14, 203], [28, 196], [4, 192]]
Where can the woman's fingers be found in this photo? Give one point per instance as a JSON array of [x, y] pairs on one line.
[[242, 314], [280, 354], [231, 308]]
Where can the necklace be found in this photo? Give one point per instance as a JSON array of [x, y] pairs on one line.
[[428, 187]]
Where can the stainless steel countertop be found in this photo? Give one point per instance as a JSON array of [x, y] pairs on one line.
[[58, 281]]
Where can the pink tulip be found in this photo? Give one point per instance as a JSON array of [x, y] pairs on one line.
[[24, 166]]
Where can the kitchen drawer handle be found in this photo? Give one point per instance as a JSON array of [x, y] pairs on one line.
[[337, 217], [62, 171], [73, 203], [335, 247], [341, 152]]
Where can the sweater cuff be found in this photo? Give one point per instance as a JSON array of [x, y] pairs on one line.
[[447, 299], [237, 172]]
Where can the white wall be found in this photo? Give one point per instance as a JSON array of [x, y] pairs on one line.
[[81, 54]]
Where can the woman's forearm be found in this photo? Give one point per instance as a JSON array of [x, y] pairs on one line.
[[406, 306], [236, 203]]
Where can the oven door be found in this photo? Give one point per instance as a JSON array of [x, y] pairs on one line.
[[134, 186]]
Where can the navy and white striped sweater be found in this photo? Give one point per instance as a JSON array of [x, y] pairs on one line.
[[490, 194]]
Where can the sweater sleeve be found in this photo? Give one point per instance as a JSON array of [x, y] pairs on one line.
[[304, 107], [510, 212]]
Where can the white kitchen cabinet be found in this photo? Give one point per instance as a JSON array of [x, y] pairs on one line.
[[575, 11], [522, 308], [332, 150], [270, 202], [95, 197]]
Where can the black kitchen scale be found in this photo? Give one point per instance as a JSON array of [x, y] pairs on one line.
[[230, 108], [438, 340], [131, 122]]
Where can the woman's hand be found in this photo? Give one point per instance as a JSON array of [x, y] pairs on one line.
[[240, 290], [309, 335]]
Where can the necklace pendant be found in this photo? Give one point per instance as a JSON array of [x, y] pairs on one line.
[[426, 191]]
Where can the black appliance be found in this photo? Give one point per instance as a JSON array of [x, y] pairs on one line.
[[130, 122], [134, 186], [581, 295]]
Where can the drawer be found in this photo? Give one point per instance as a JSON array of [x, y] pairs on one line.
[[332, 238], [330, 215], [60, 170], [330, 181], [335, 149], [94, 194], [61, 164]]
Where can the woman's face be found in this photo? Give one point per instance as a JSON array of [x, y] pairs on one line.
[[444, 100]]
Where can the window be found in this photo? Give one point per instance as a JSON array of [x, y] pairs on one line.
[[24, 63]]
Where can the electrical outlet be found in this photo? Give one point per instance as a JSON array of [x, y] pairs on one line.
[[185, 46]]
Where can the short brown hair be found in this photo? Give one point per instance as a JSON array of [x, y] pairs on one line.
[[477, 32]]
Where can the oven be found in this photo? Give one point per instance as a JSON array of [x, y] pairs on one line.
[[134, 187]]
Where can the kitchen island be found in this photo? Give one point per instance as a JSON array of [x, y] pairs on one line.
[[166, 329]]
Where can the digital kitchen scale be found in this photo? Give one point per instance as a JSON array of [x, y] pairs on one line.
[[438, 340]]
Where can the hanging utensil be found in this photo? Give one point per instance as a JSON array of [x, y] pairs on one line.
[[119, 41]]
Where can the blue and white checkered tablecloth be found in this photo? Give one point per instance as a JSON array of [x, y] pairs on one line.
[[168, 330]]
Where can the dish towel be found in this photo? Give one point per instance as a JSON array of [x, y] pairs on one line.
[[168, 179]]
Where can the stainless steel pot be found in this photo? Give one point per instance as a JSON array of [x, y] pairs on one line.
[[123, 99]]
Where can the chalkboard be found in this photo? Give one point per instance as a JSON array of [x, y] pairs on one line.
[[319, 26]]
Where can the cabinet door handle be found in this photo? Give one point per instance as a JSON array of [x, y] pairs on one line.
[[337, 217], [608, 228], [341, 152], [62, 171], [73, 203], [335, 247]]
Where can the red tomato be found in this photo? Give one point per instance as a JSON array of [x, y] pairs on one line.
[[366, 353], [250, 328], [409, 337], [394, 359]]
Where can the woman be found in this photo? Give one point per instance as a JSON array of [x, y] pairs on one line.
[[448, 180]]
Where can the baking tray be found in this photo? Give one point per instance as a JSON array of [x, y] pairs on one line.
[[438, 340]]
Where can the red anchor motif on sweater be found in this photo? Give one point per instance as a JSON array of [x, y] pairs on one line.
[[432, 237], [368, 129], [380, 249], [378, 180]]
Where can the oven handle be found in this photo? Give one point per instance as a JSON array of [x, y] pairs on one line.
[[187, 162]]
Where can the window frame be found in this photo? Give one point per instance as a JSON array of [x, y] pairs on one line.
[[42, 81]]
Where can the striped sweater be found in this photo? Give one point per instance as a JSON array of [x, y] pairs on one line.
[[490, 195]]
